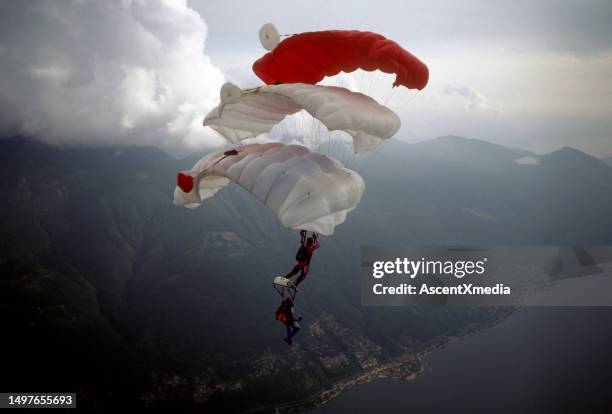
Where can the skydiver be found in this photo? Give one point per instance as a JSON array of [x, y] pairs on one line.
[[284, 313], [303, 256]]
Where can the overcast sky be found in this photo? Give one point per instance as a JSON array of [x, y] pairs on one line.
[[529, 74]]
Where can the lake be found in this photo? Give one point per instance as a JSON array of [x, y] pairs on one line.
[[539, 360]]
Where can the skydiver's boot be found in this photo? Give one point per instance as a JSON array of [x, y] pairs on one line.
[[289, 341]]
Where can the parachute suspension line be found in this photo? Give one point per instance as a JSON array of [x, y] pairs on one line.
[[313, 134], [314, 139], [390, 96], [364, 84], [375, 85], [284, 291], [317, 132], [354, 160], [409, 98], [251, 90], [338, 146], [360, 167], [370, 83], [361, 82], [280, 129], [322, 132]]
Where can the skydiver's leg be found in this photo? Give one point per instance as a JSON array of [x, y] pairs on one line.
[[293, 329], [289, 334], [293, 272], [302, 275]]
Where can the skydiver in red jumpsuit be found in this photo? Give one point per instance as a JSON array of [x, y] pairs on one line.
[[303, 256]]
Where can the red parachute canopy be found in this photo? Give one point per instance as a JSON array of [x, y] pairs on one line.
[[309, 57]]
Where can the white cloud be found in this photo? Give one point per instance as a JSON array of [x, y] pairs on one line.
[[108, 72], [135, 71], [527, 161], [472, 99]]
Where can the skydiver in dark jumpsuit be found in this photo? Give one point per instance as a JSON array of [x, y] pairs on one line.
[[285, 315]]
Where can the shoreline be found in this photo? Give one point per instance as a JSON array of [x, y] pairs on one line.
[[396, 368]]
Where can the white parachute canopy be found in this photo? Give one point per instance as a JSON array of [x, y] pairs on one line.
[[244, 114], [307, 190]]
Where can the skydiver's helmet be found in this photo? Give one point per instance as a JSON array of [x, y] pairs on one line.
[[309, 241]]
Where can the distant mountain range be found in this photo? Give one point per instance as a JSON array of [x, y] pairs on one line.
[[108, 288]]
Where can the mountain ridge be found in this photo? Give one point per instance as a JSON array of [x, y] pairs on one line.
[[169, 282]]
